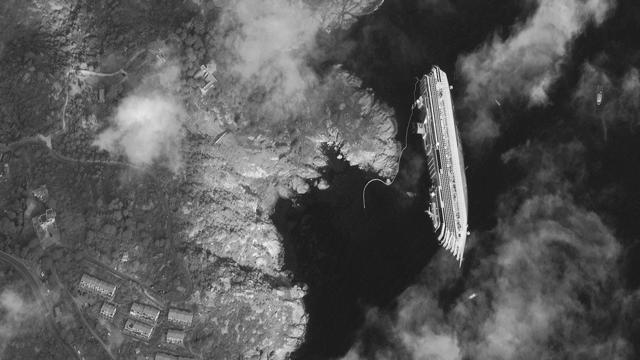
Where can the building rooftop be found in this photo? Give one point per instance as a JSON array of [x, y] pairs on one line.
[[175, 336], [163, 356], [46, 229], [181, 317], [97, 286], [145, 312], [138, 328], [108, 310], [207, 73], [41, 193]]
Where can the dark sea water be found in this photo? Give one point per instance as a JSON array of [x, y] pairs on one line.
[[353, 259]]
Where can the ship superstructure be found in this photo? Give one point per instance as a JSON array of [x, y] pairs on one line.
[[448, 191]]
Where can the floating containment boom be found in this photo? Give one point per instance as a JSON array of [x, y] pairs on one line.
[[448, 192]]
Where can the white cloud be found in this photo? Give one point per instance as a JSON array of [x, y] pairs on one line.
[[147, 124], [270, 40], [545, 280], [421, 330], [621, 97], [526, 63], [550, 279], [14, 312]]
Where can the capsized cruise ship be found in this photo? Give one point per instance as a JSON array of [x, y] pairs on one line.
[[448, 192]]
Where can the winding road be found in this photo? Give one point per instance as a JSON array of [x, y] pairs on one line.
[[157, 302], [38, 140], [36, 288], [81, 315], [34, 282], [38, 291]]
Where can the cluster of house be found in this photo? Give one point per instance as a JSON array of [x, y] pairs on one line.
[[142, 318], [44, 225], [206, 72], [46, 228]]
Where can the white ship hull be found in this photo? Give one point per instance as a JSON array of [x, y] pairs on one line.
[[448, 192]]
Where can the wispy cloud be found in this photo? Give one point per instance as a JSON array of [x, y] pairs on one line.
[[269, 41], [525, 64], [543, 283], [16, 17], [147, 124], [620, 102], [14, 312]]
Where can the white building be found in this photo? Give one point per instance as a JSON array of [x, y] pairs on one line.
[[175, 337], [138, 329], [41, 193], [207, 73], [180, 317], [46, 228], [97, 286], [108, 310], [144, 312]]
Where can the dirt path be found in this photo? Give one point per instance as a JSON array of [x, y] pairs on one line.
[[94, 73], [80, 314], [36, 288], [159, 303], [38, 140]]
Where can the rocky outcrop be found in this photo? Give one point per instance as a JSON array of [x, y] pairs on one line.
[[232, 188], [234, 183], [199, 235], [362, 128], [341, 14], [243, 313]]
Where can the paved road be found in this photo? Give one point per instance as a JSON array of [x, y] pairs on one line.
[[37, 139], [81, 314], [60, 157], [36, 288], [157, 302], [120, 72]]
